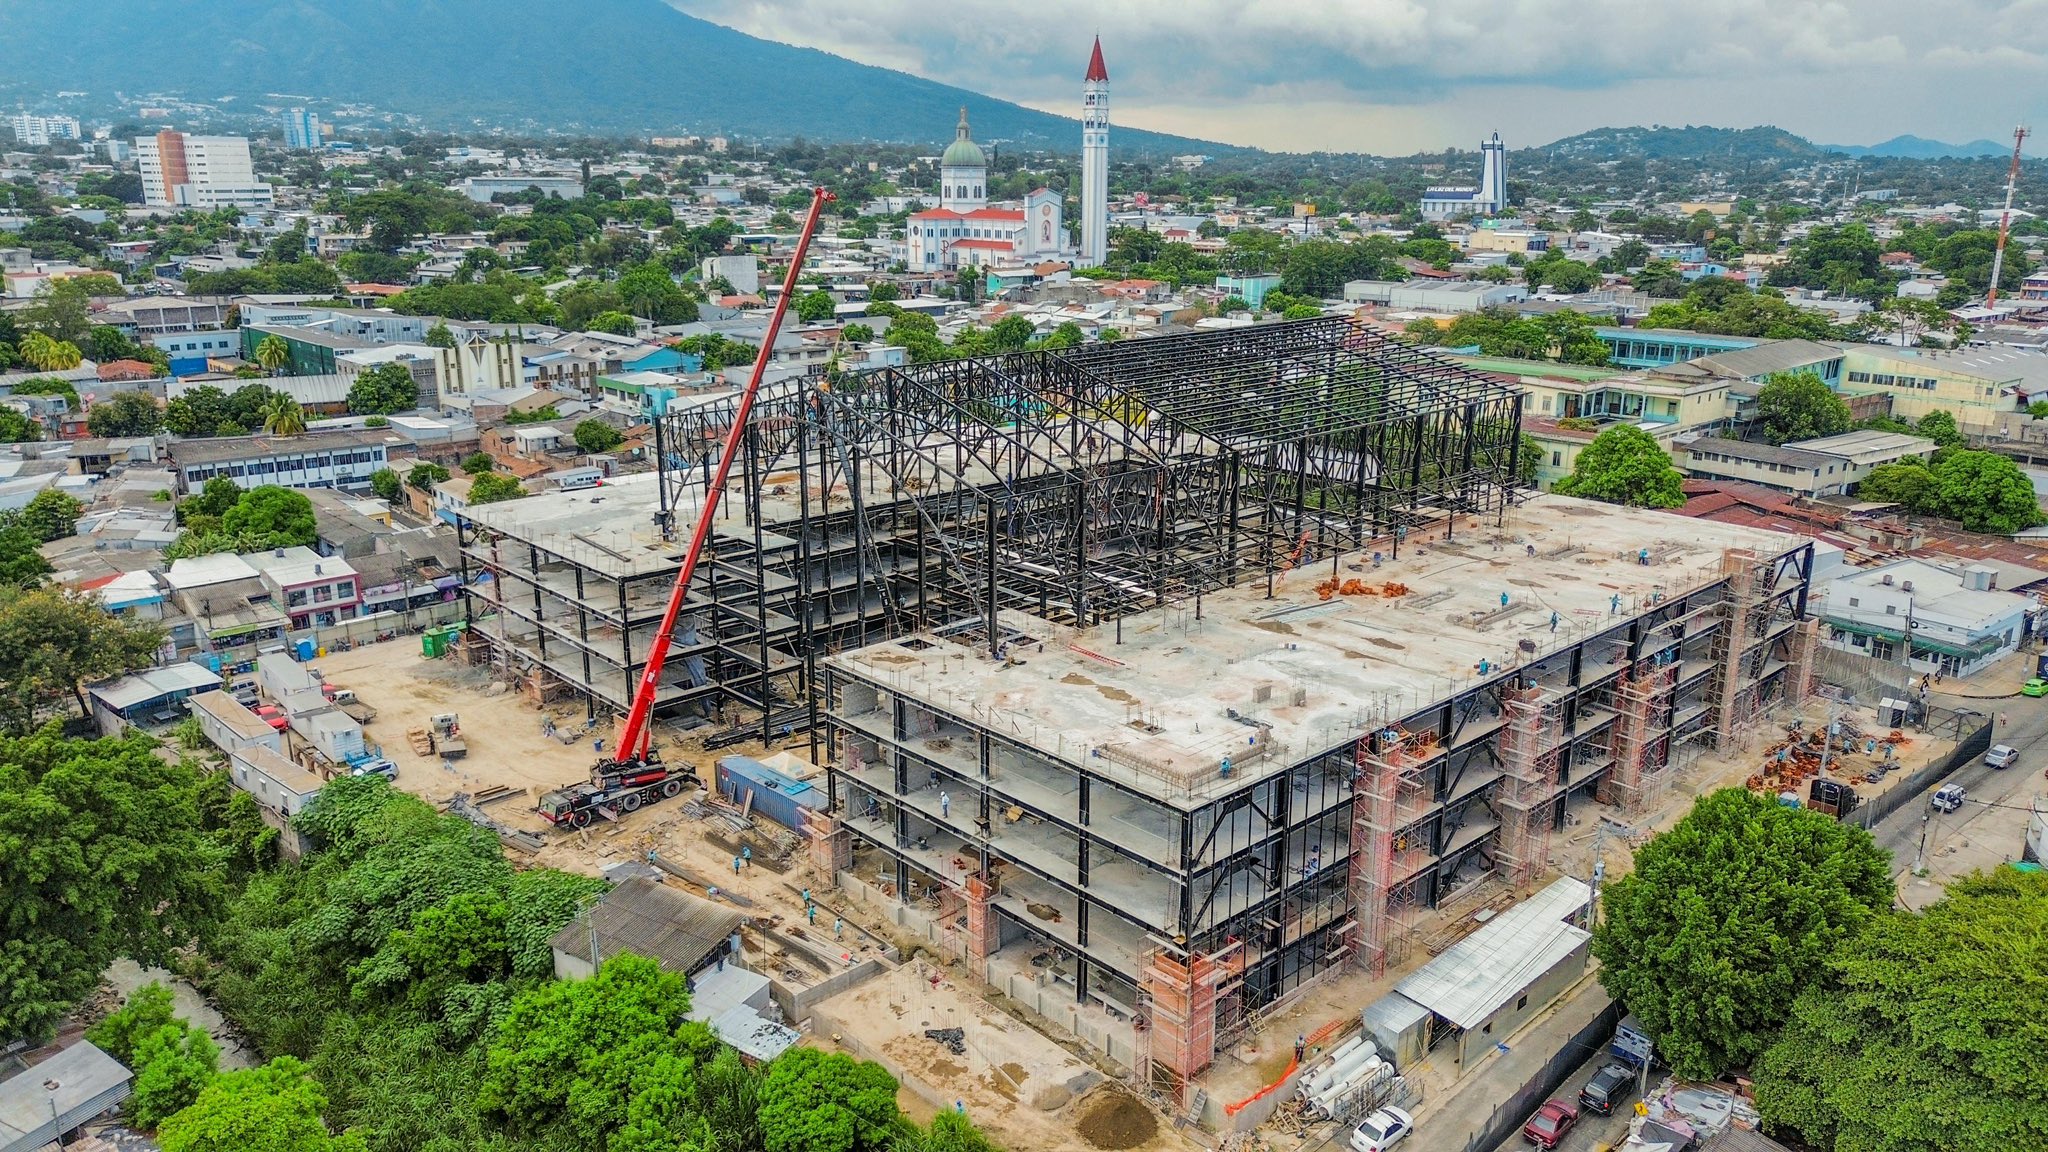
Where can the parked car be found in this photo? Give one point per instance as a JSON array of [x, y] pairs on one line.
[[1949, 799], [2035, 686], [2001, 755], [1608, 1087], [1548, 1126], [1381, 1130]]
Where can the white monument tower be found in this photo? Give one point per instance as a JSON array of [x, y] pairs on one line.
[[1493, 176], [1095, 162]]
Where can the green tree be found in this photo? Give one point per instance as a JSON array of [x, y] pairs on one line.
[[1726, 916], [105, 857], [949, 1132], [1923, 1033], [273, 1108], [814, 307], [1907, 482], [213, 499], [425, 475], [45, 353], [382, 390], [282, 416], [650, 291], [1301, 312], [438, 336], [616, 323], [493, 487], [1626, 465], [1800, 406], [478, 463], [863, 334], [279, 517], [1940, 427], [52, 514], [273, 353], [1423, 331], [883, 291], [18, 428], [125, 414], [597, 436], [1985, 492], [53, 642], [173, 1065], [817, 1101], [122, 1031], [385, 483], [21, 558], [588, 1057], [198, 412], [1010, 334]]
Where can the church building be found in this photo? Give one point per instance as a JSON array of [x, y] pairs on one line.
[[966, 231]]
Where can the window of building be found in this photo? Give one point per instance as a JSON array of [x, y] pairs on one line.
[[323, 594], [295, 598], [1556, 459], [346, 589], [1891, 609]]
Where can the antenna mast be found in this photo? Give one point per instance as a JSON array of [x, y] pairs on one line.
[[2012, 179]]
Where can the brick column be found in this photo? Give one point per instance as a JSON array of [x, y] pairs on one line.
[[831, 844], [984, 932]]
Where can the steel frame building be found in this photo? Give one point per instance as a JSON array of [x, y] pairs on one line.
[[895, 544]]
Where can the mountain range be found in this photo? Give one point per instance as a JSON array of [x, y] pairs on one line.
[[636, 67], [1921, 148]]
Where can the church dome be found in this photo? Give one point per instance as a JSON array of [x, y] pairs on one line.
[[963, 152]]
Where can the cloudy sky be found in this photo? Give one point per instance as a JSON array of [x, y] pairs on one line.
[[1398, 76]]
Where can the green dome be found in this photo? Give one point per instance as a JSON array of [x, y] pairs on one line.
[[963, 152]]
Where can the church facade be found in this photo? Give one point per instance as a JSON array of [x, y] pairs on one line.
[[966, 231]]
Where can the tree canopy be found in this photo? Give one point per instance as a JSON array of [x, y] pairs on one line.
[[53, 641], [1726, 916], [493, 487], [1982, 491], [1625, 465], [1926, 1032], [1800, 406], [124, 414], [104, 855], [272, 1108], [816, 1101], [597, 436], [382, 390]]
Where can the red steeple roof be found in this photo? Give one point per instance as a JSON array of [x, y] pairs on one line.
[[1097, 70]]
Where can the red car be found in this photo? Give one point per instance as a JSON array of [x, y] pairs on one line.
[[1550, 1123]]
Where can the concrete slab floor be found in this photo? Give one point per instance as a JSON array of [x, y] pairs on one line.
[[1154, 693]]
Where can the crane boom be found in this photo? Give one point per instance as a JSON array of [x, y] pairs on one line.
[[2012, 179], [635, 733]]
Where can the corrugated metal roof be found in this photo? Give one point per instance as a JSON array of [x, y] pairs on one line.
[[87, 1082], [647, 919], [1474, 977]]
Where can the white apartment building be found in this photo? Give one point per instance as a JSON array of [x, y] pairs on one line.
[[181, 171], [38, 131]]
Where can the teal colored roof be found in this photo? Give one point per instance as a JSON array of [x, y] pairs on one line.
[[1512, 367]]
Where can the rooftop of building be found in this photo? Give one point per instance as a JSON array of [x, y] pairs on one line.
[[1865, 441], [207, 450], [1154, 694], [1507, 366], [232, 714], [1758, 452], [296, 565]]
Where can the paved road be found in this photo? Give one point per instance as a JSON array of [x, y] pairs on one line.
[[1593, 1130], [2026, 728]]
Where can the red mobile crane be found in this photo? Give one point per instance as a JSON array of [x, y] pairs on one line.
[[634, 774]]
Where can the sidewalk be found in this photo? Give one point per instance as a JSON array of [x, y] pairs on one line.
[[2001, 681], [1454, 1116]]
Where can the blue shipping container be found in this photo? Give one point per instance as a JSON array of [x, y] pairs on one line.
[[782, 799]]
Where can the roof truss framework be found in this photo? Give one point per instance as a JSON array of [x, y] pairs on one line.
[[1088, 483]]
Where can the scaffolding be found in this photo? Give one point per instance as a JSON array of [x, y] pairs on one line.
[[1179, 999], [1527, 797], [1736, 692], [1389, 793], [1641, 767]]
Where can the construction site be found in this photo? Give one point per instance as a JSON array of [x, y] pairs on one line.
[[1156, 681]]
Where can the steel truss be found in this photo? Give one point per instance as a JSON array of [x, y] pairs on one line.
[[1079, 485]]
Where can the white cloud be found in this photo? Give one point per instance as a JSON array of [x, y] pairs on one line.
[[1400, 75]]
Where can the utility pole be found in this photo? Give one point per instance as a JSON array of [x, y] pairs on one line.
[[2012, 178], [1920, 856]]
